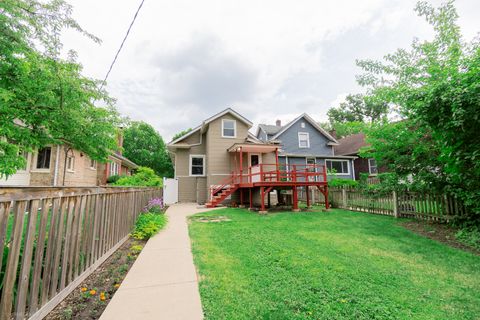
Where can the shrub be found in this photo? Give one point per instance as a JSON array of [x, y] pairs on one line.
[[148, 224], [469, 236], [144, 177], [342, 183], [155, 205], [113, 179]]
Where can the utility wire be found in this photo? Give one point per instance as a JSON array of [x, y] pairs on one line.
[[121, 45]]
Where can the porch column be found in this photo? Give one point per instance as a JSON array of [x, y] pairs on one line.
[[295, 199], [241, 198], [327, 204], [276, 162], [308, 196], [241, 165]]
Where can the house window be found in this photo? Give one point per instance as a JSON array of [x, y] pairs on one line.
[[70, 163], [372, 166], [302, 124], [338, 166], [229, 128], [25, 156], [197, 165], [93, 164], [303, 140], [43, 158], [113, 169]]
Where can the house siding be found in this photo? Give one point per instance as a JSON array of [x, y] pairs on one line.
[[318, 142]]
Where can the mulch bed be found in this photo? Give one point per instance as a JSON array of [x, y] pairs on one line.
[[91, 297], [439, 232]]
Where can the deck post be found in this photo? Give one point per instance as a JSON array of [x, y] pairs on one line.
[[277, 165], [268, 199], [262, 196], [295, 199], [251, 201], [327, 204], [241, 198], [308, 196]]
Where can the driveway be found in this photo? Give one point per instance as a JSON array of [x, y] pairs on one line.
[[162, 283]]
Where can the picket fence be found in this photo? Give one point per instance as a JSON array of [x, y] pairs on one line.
[[52, 238], [417, 205]]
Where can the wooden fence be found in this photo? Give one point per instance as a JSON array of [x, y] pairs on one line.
[[403, 204], [51, 239]]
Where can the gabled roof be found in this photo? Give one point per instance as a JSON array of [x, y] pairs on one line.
[[309, 119], [212, 118], [269, 129], [350, 145]]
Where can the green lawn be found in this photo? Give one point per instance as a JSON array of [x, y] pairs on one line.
[[329, 265]]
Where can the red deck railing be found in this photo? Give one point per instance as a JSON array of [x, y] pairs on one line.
[[283, 173]]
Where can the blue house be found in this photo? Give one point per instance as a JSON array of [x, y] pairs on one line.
[[303, 142]]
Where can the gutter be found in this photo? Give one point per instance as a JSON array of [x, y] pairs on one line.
[[55, 170]]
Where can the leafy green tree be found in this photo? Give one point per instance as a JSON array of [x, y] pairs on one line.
[[181, 134], [143, 145], [436, 87], [45, 99], [358, 108]]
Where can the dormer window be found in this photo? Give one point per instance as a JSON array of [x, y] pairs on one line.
[[229, 128], [303, 140]]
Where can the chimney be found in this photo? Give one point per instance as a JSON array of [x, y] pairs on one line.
[[333, 133], [278, 123]]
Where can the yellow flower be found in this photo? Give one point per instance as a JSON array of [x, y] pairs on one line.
[[93, 292], [343, 300], [116, 286], [102, 298], [84, 289]]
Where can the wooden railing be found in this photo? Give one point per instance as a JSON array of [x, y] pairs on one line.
[[417, 205], [284, 173], [53, 238]]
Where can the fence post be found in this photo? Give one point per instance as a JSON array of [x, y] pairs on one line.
[[395, 204], [344, 197]]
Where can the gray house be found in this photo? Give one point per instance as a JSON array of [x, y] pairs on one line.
[[303, 142]]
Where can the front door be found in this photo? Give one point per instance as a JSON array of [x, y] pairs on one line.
[[254, 162]]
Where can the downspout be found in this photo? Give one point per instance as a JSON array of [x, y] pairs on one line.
[[55, 170], [65, 165]]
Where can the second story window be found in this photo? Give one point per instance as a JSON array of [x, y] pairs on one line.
[[229, 128], [43, 158], [303, 140], [372, 166]]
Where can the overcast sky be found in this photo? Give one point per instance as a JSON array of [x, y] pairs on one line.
[[267, 59]]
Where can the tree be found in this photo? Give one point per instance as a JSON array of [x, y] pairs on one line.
[[144, 146], [181, 134], [436, 86], [358, 108], [45, 99]]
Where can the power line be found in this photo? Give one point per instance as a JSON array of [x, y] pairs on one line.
[[121, 45]]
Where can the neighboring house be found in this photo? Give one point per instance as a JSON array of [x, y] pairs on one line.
[[304, 142], [350, 146], [221, 159], [60, 165]]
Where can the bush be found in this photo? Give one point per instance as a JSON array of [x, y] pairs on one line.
[[144, 177], [469, 236], [342, 183], [148, 224], [113, 179]]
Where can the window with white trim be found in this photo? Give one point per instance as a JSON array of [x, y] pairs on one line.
[[93, 164], [303, 140], [197, 165], [70, 163], [340, 167], [372, 166], [229, 128], [113, 169], [43, 158]]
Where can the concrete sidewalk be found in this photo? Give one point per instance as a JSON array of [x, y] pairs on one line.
[[162, 283]]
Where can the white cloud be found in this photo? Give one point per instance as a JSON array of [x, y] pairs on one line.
[[269, 59]]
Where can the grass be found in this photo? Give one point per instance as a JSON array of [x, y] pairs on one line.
[[329, 265]]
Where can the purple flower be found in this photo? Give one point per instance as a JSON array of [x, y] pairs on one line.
[[155, 205]]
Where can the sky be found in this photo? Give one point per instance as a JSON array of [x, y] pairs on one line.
[[271, 59]]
